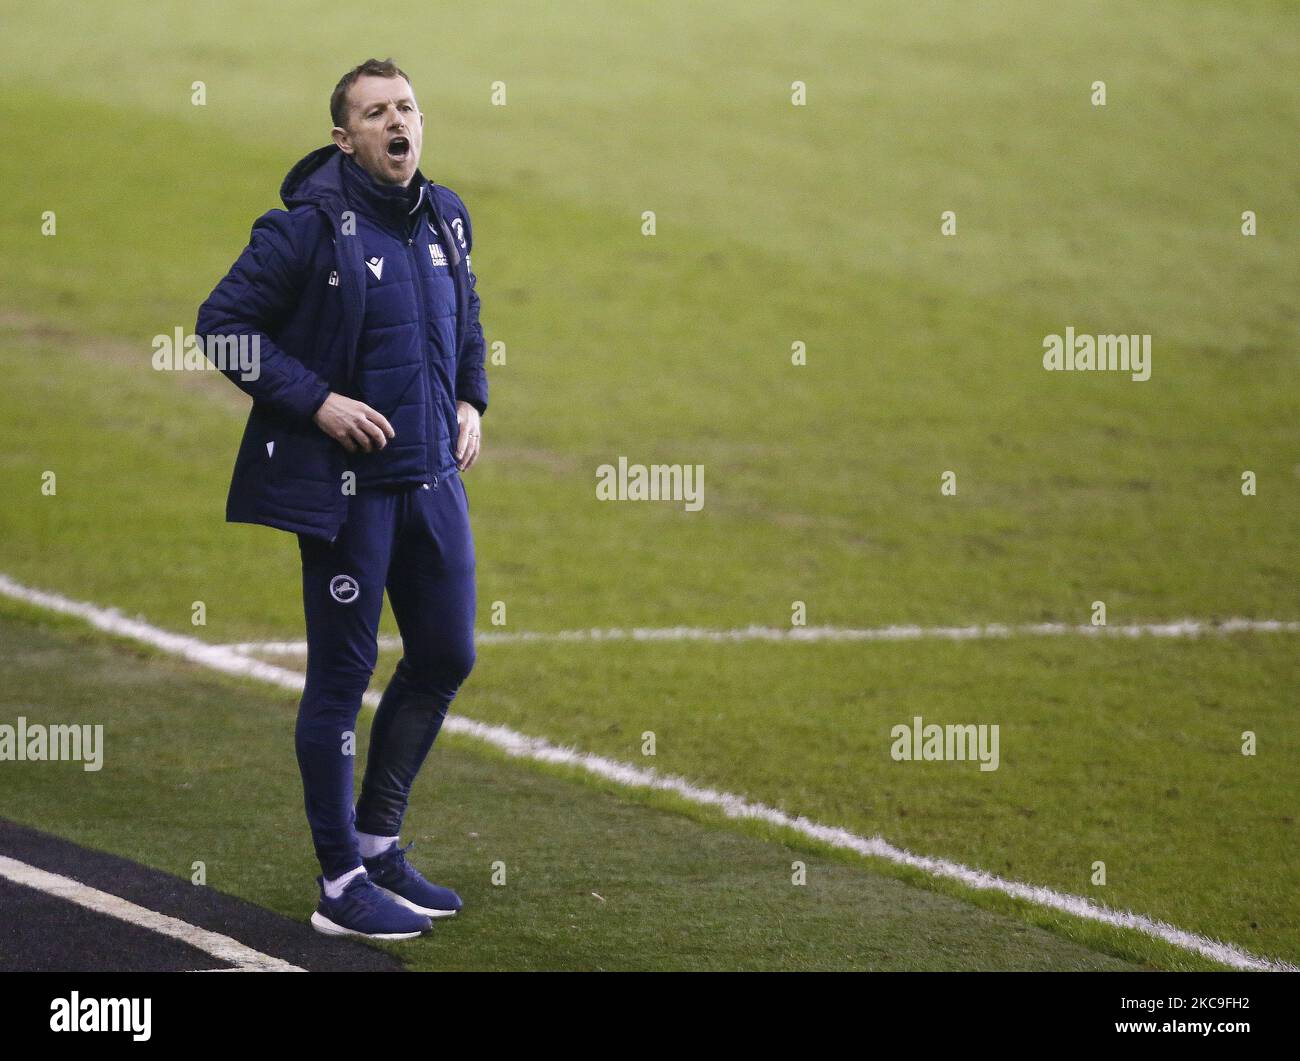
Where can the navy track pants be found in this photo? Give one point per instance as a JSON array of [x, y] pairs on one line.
[[416, 543]]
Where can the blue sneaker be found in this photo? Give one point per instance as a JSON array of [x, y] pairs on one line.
[[394, 875], [364, 910]]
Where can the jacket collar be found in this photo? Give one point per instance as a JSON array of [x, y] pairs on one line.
[[390, 204], [329, 179]]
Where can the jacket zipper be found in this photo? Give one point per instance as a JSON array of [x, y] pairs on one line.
[[459, 288], [424, 341]]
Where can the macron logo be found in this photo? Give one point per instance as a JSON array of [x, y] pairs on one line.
[[376, 266]]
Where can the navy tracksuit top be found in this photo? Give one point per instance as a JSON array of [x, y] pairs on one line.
[[406, 355]]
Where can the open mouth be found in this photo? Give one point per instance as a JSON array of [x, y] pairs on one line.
[[399, 148]]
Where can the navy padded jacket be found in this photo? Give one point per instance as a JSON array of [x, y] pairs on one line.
[[406, 367], [300, 288]]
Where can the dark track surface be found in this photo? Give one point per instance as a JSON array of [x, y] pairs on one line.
[[41, 932]]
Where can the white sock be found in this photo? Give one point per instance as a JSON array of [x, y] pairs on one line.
[[372, 845], [334, 888]]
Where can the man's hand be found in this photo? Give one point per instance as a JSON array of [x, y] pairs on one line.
[[467, 446], [353, 424]]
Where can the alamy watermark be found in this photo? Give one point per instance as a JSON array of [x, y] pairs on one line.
[[920, 742], [77, 1014], [179, 352], [654, 482], [58, 743], [1098, 353]]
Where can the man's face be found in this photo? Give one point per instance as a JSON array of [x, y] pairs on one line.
[[384, 128]]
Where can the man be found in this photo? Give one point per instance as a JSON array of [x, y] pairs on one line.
[[362, 305]]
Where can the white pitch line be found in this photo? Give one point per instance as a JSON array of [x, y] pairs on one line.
[[1178, 628], [245, 959], [733, 806]]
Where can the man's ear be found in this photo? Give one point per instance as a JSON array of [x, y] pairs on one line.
[[342, 139]]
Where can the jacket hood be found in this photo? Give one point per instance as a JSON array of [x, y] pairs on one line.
[[315, 179]]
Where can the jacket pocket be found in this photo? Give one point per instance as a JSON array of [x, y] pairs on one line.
[[302, 475]]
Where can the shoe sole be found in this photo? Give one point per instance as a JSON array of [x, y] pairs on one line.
[[428, 911], [326, 927]]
